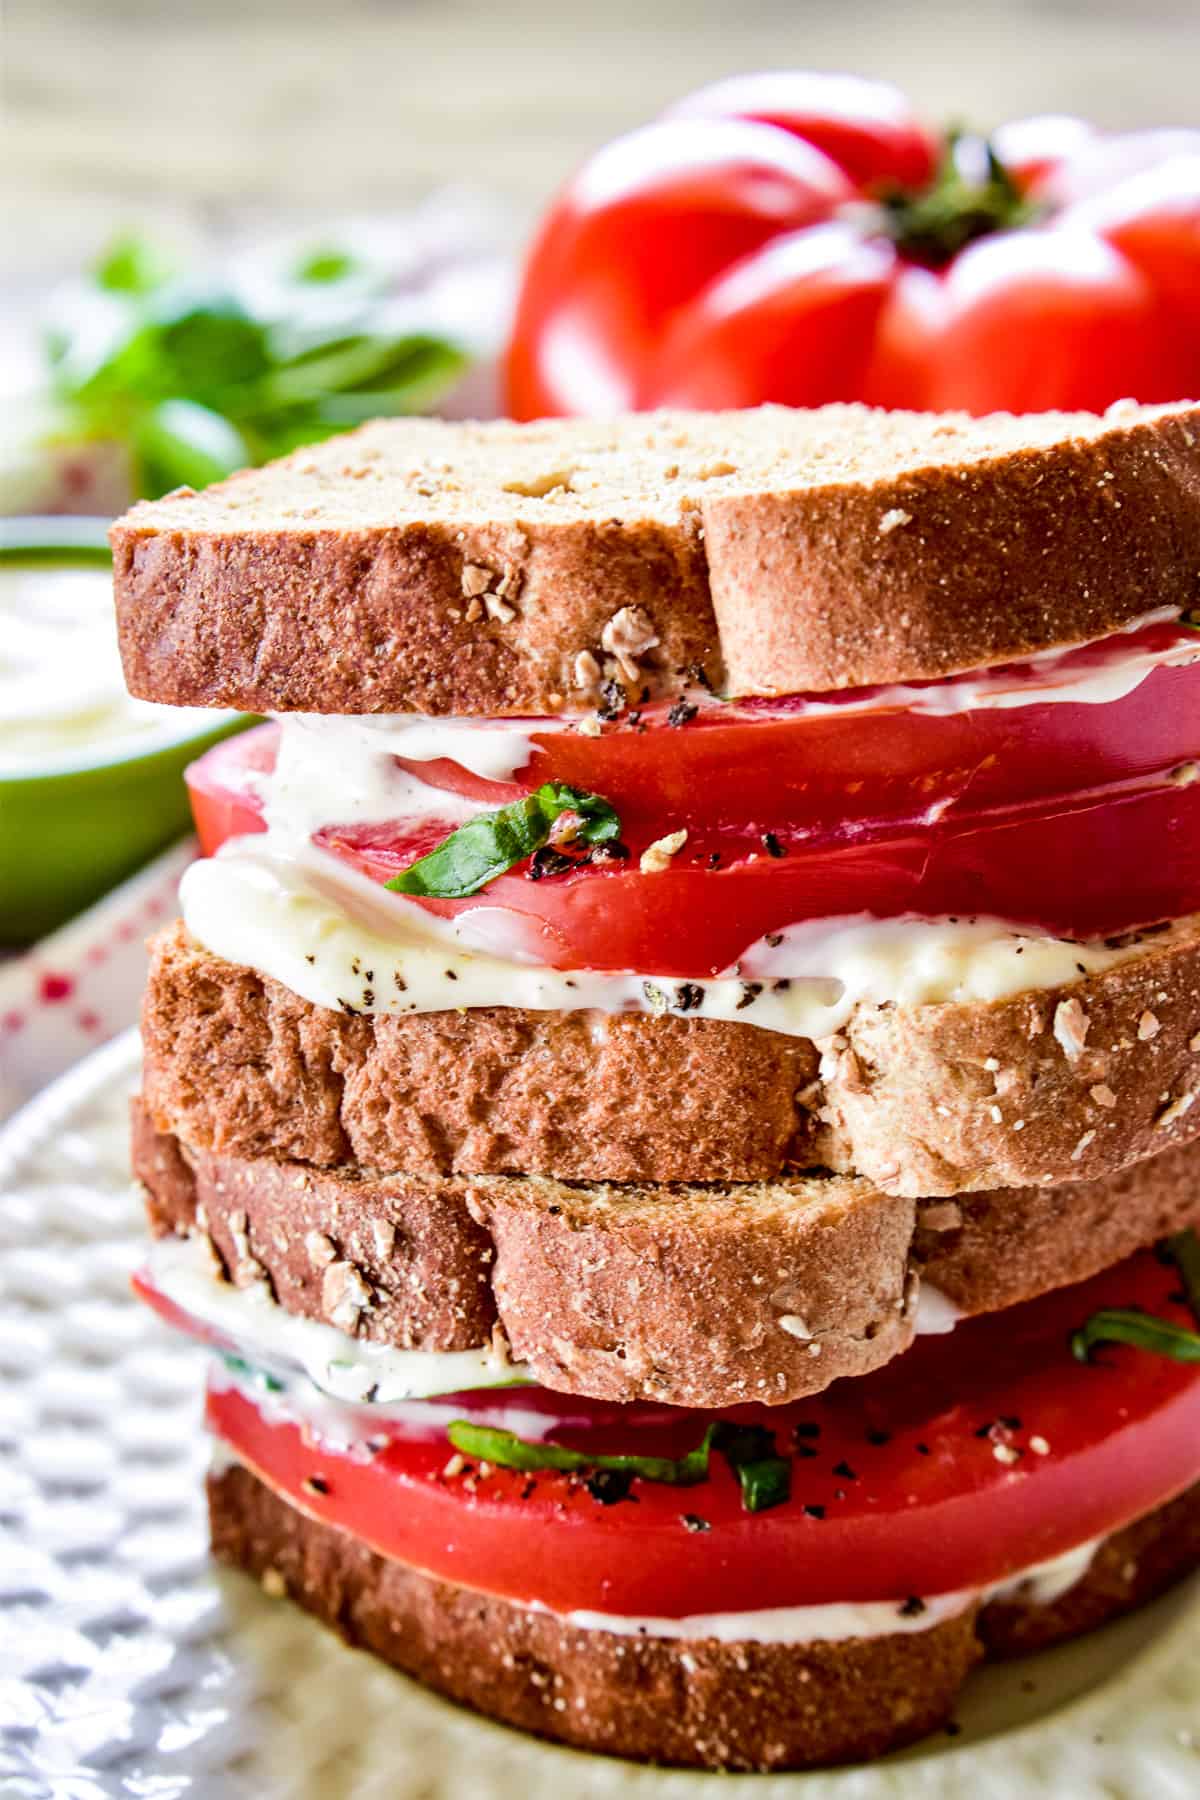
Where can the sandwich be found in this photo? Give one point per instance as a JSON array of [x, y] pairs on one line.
[[672, 1095]]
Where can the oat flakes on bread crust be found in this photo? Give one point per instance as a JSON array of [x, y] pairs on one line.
[[695, 1296], [418, 565], [695, 1703], [920, 1100]]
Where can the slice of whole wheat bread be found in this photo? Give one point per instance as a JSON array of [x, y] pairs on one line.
[[1052, 1085], [702, 1295], [696, 1702], [416, 565]]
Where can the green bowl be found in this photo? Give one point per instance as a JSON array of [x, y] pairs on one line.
[[76, 820]]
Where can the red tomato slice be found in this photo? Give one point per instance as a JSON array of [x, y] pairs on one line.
[[897, 1487], [767, 766], [1092, 866], [1092, 871]]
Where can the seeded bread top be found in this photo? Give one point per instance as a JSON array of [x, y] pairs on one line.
[[418, 565]]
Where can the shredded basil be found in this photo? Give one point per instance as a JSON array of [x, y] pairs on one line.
[[764, 1477], [249, 1372], [508, 1451], [1146, 1331], [1143, 1330], [493, 841]]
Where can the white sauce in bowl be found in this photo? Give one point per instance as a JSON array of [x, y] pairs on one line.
[[63, 702]]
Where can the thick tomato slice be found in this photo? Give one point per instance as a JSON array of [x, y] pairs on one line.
[[972, 1457], [223, 790], [1095, 868], [1089, 872], [779, 766]]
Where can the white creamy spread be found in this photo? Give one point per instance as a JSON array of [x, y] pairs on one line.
[[836, 1621], [344, 942], [936, 1312], [1091, 674], [352, 1370], [830, 1623], [62, 693], [342, 772]]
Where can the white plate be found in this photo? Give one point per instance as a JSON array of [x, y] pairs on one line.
[[129, 1666]]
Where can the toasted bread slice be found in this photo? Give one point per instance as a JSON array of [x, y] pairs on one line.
[[1051, 1085], [422, 566], [696, 1702], [702, 1295]]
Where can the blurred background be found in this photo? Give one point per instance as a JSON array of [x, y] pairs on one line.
[[161, 111]]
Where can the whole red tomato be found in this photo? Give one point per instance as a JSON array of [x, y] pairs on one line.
[[802, 237]]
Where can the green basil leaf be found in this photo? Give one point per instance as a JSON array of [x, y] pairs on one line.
[[764, 1477], [132, 265], [765, 1483], [507, 1451], [492, 842], [1145, 1331], [181, 444], [326, 265], [251, 1372]]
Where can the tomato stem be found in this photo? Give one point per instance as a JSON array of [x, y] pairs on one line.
[[972, 194]]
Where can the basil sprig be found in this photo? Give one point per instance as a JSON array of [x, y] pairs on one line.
[[493, 841], [507, 1451], [1146, 1331], [763, 1476]]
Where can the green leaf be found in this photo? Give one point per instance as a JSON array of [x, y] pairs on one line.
[[1145, 1331], [181, 444], [132, 265], [765, 1477], [765, 1483], [507, 1451], [137, 337], [325, 266], [251, 1372], [492, 842]]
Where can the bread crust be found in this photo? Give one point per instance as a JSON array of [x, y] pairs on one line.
[[695, 1703], [701, 1296], [922, 1101], [341, 579]]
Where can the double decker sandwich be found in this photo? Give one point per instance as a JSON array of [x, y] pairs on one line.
[[681, 1049]]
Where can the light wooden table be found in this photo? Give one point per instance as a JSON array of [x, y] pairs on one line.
[[166, 110]]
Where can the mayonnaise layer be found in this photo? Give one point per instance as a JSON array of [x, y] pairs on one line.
[[344, 942], [1095, 673], [352, 1370], [835, 1622]]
